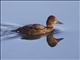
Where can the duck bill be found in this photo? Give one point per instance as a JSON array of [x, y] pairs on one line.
[[58, 22]]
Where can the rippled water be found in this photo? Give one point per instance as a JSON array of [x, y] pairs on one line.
[[16, 14]]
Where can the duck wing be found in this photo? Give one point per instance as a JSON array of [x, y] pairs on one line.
[[33, 26], [37, 26]]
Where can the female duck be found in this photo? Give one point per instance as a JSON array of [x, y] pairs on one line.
[[38, 29]]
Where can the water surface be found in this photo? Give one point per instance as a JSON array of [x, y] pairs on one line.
[[21, 13]]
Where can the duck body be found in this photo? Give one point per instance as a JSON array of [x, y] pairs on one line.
[[34, 30]]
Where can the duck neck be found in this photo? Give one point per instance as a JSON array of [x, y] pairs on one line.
[[49, 26]]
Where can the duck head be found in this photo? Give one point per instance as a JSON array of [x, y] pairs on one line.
[[51, 21]]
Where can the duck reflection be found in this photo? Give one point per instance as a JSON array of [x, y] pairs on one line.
[[51, 40]]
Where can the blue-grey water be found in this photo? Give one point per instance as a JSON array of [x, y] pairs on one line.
[[20, 13]]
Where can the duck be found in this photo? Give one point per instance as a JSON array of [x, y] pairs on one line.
[[38, 29]]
